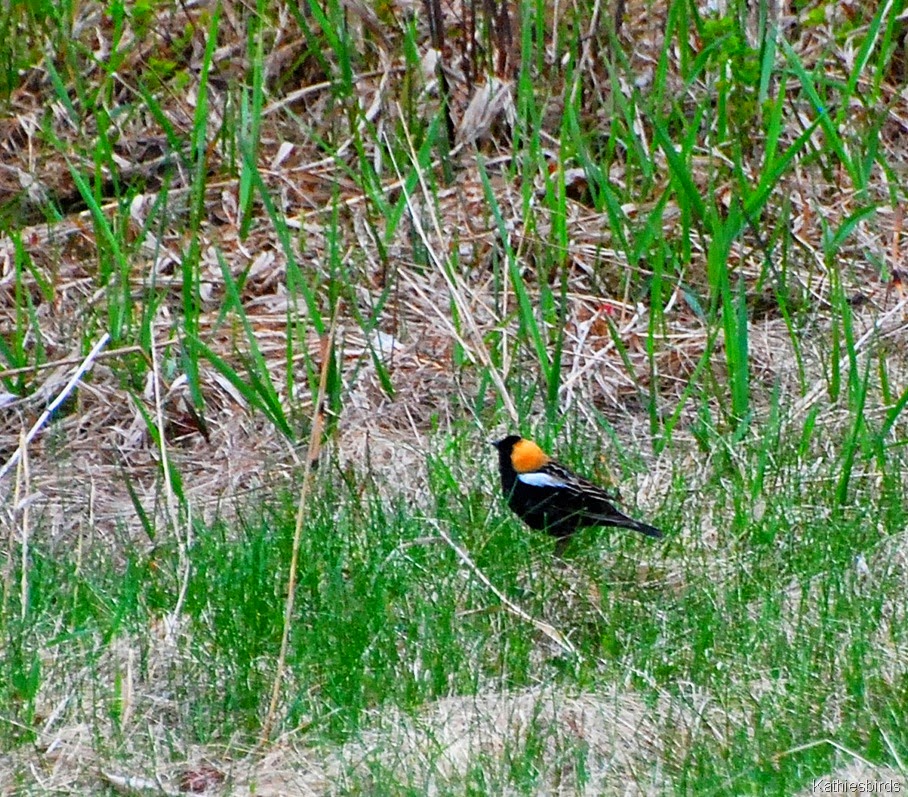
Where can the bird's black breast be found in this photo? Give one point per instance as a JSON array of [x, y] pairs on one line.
[[508, 474]]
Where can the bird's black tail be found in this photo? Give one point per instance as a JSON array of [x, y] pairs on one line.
[[624, 522], [643, 528]]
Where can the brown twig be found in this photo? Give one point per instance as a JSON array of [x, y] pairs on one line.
[[315, 436], [104, 355]]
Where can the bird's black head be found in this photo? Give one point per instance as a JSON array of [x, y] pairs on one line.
[[505, 445], [505, 465]]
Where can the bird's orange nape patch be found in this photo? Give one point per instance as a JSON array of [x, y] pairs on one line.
[[526, 456]]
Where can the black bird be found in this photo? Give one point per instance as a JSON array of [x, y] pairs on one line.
[[548, 497]]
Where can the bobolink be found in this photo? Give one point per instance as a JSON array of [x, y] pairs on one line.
[[548, 497]]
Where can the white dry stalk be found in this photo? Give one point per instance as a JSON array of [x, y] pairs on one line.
[[162, 443], [586, 53], [61, 397], [172, 621], [463, 308], [22, 489], [550, 631]]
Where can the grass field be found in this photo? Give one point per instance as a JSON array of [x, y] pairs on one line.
[[312, 259]]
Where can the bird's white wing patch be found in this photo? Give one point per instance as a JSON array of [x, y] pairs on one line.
[[537, 479]]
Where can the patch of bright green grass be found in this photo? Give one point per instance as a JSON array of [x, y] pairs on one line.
[[771, 619]]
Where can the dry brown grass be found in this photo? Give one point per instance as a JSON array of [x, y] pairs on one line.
[[103, 433], [621, 737]]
